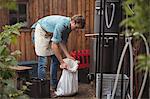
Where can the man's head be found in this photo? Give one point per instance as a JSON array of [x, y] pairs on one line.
[[77, 22]]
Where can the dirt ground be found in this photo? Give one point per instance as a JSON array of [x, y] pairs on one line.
[[86, 91]]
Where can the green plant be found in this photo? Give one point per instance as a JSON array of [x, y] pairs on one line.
[[142, 64], [137, 24], [137, 16], [7, 59], [9, 4]]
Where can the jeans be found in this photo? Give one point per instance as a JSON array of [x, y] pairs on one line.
[[53, 71], [42, 61]]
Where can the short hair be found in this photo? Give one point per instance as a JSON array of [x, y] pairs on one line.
[[79, 21]]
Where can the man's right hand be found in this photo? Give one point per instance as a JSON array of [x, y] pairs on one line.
[[63, 65]]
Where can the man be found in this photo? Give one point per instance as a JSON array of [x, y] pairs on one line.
[[51, 34]]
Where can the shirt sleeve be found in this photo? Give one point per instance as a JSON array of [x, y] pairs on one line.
[[65, 36], [57, 34], [33, 26]]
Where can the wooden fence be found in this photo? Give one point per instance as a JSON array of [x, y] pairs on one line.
[[25, 45]]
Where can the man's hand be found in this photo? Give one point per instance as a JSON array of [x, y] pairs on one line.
[[63, 65]]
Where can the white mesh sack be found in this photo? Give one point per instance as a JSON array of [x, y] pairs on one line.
[[73, 65], [68, 83]]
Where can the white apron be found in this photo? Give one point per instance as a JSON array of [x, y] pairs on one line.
[[42, 42]]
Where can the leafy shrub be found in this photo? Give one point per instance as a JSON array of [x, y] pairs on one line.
[[7, 58]]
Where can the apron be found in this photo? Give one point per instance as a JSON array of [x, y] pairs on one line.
[[42, 42]]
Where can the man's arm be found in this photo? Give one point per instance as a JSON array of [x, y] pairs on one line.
[[64, 48], [56, 50]]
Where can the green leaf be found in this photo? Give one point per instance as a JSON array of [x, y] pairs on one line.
[[14, 39], [2, 48], [128, 10], [143, 62], [15, 53]]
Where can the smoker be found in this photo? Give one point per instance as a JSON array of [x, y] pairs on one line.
[[106, 46], [106, 24]]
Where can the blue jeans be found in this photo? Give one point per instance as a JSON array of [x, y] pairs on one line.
[[53, 71], [42, 61]]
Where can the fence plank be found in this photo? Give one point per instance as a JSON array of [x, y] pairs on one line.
[[28, 46], [22, 49]]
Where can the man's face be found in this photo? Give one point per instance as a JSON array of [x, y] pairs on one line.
[[73, 25]]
